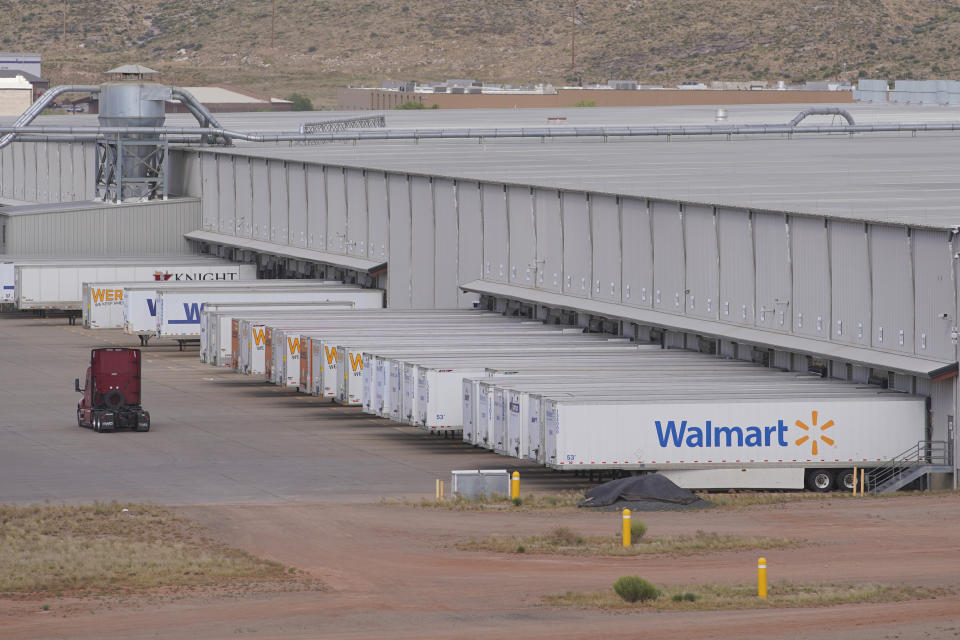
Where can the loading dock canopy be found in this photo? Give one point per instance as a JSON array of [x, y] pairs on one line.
[[285, 251], [910, 365]]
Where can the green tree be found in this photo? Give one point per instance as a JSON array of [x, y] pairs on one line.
[[300, 102]]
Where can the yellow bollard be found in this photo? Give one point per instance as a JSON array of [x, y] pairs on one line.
[[441, 490], [626, 527], [515, 485], [762, 578], [854, 481], [863, 479], [436, 489]]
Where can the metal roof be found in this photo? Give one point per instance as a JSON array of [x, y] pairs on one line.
[[286, 251], [132, 68], [895, 178], [217, 95], [795, 344]]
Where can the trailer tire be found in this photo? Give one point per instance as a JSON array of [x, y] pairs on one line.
[[96, 423], [846, 480], [114, 399], [79, 418], [820, 480]]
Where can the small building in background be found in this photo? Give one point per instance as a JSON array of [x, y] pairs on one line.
[[16, 95], [15, 69], [29, 62]]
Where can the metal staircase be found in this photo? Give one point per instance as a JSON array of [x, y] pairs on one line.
[[928, 456]]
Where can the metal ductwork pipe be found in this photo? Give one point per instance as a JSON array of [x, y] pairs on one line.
[[531, 132], [822, 111], [200, 112], [37, 107]]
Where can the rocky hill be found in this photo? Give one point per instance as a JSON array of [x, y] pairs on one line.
[[279, 47]]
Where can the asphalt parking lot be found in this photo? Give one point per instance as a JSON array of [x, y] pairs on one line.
[[216, 438]]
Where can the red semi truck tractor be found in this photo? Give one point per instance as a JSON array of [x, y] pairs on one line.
[[111, 394]]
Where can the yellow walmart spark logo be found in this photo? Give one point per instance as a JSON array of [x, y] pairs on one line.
[[812, 432]]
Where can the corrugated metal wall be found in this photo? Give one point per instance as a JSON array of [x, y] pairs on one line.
[[136, 229], [738, 281], [811, 277], [668, 258], [702, 261], [835, 280], [549, 230], [637, 252], [48, 172]]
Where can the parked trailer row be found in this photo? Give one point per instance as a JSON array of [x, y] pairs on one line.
[[140, 300], [218, 336], [58, 283], [336, 341], [341, 376], [574, 401], [104, 302], [176, 311], [255, 334]]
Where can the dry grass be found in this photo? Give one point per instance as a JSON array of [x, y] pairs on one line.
[[563, 541], [570, 499], [715, 597], [775, 498], [86, 550], [763, 498], [564, 500]]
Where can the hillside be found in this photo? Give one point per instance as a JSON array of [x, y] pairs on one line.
[[321, 44]]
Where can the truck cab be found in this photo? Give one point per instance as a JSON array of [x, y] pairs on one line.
[[111, 392]]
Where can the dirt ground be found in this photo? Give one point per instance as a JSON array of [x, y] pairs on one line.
[[392, 572], [298, 481]]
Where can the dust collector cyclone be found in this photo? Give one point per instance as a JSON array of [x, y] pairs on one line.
[[133, 164]]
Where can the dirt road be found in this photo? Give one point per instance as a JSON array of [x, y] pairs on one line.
[[393, 572]]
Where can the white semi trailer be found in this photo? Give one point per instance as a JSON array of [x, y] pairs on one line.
[[745, 441], [102, 302], [177, 267], [178, 312], [140, 301], [60, 286]]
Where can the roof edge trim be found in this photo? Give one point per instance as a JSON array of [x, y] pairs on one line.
[[900, 363]]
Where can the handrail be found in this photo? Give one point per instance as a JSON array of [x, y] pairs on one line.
[[925, 452]]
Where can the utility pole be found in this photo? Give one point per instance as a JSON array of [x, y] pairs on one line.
[[573, 39], [273, 20]]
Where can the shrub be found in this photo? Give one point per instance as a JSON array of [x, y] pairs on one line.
[[690, 597], [300, 102], [635, 589], [521, 549], [638, 529], [517, 502], [411, 104], [565, 535]]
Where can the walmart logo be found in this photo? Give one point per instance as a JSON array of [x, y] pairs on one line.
[[812, 433], [677, 433]]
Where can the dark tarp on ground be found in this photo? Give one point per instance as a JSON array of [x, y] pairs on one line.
[[652, 486]]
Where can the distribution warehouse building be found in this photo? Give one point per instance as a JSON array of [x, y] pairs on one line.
[[827, 252]]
